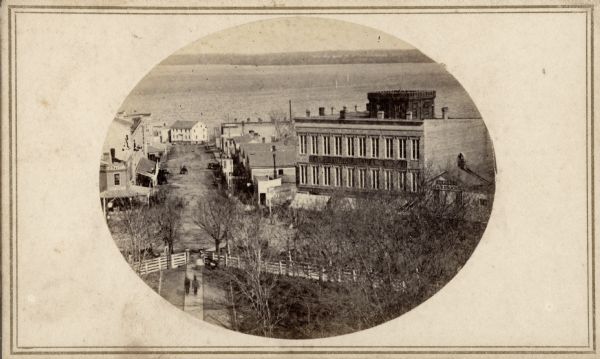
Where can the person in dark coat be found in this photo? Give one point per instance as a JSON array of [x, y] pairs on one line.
[[186, 284], [195, 285]]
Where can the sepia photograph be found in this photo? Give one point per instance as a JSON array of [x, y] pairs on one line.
[[295, 186], [298, 179]]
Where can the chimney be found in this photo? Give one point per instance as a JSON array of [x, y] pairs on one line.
[[460, 161], [345, 108], [307, 113], [332, 108], [445, 113], [409, 115], [355, 108], [342, 114], [380, 115], [112, 155], [321, 111]]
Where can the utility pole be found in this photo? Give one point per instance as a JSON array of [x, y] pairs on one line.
[[290, 110], [274, 149]]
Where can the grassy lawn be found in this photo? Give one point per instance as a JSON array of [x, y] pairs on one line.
[[217, 306], [310, 309], [172, 285]]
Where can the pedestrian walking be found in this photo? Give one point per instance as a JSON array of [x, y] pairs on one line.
[[195, 285], [186, 284]]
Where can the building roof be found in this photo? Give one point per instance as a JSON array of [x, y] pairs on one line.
[[112, 166], [244, 139], [253, 122], [136, 114], [145, 166], [256, 147], [134, 126], [261, 155], [464, 178], [281, 146], [336, 116], [402, 94], [154, 149], [183, 125], [355, 118], [258, 159]]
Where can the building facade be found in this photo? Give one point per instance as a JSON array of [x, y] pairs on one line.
[[141, 131], [113, 175], [357, 153], [189, 132], [397, 145], [265, 131], [462, 187]]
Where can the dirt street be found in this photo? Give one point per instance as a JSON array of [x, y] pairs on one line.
[[192, 187]]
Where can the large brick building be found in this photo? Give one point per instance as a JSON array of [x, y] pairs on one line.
[[387, 147]]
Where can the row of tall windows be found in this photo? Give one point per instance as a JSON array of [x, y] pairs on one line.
[[338, 146], [336, 150], [326, 145], [362, 147], [373, 178]]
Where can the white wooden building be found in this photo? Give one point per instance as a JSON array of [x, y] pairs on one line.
[[189, 132]]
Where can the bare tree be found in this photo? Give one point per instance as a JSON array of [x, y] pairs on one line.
[[216, 214], [167, 215], [284, 127], [402, 247], [254, 285], [140, 230], [399, 248]]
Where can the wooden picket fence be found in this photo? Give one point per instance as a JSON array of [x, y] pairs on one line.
[[308, 271], [296, 269], [161, 263]]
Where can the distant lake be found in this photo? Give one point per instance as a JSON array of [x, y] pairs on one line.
[[217, 93]]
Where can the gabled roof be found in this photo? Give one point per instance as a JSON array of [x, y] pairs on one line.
[[145, 166], [244, 139], [464, 178], [184, 125]]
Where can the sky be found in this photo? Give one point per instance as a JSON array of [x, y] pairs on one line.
[[294, 34]]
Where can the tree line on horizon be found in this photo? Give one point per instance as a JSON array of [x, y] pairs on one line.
[[302, 58]]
